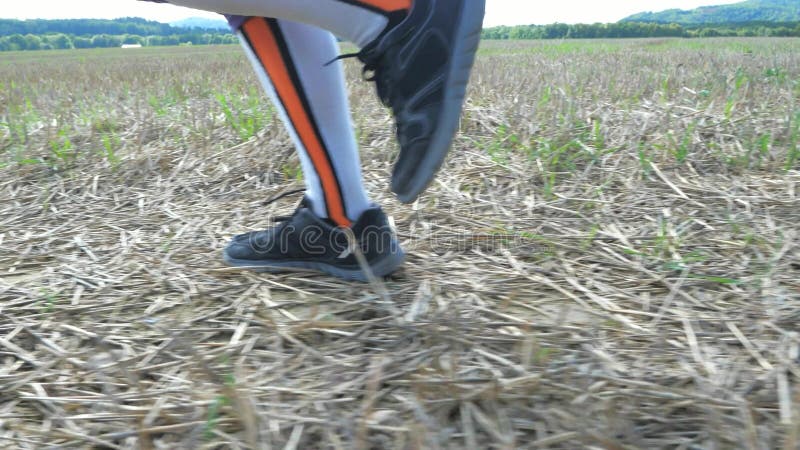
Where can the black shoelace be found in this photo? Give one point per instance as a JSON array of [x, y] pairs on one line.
[[372, 56], [281, 219]]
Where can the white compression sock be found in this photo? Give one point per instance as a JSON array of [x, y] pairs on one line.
[[357, 21], [290, 61]]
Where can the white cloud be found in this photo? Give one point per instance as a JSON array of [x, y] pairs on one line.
[[100, 9], [505, 12], [523, 12]]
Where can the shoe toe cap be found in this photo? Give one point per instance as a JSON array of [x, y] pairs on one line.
[[248, 246], [238, 250], [410, 176]]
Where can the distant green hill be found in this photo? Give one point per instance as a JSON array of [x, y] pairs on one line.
[[89, 27], [201, 22], [746, 11]]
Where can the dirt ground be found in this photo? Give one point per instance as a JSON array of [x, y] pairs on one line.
[[609, 260]]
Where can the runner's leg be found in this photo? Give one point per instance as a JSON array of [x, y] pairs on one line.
[[290, 60], [359, 21]]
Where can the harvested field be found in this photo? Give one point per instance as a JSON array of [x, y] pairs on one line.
[[609, 259]]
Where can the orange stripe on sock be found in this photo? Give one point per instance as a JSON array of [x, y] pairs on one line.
[[388, 5], [266, 48]]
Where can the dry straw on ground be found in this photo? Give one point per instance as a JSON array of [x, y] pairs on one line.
[[609, 260]]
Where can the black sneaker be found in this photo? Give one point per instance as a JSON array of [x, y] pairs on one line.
[[305, 241], [421, 66]]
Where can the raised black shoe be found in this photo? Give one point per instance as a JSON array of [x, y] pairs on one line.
[[306, 241], [421, 66]]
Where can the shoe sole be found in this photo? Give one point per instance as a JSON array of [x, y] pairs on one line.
[[385, 266], [468, 36]]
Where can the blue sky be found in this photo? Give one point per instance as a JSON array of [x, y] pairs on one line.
[[498, 12]]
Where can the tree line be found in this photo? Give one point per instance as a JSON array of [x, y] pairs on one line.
[[40, 34], [88, 27], [57, 41], [641, 30], [91, 33]]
